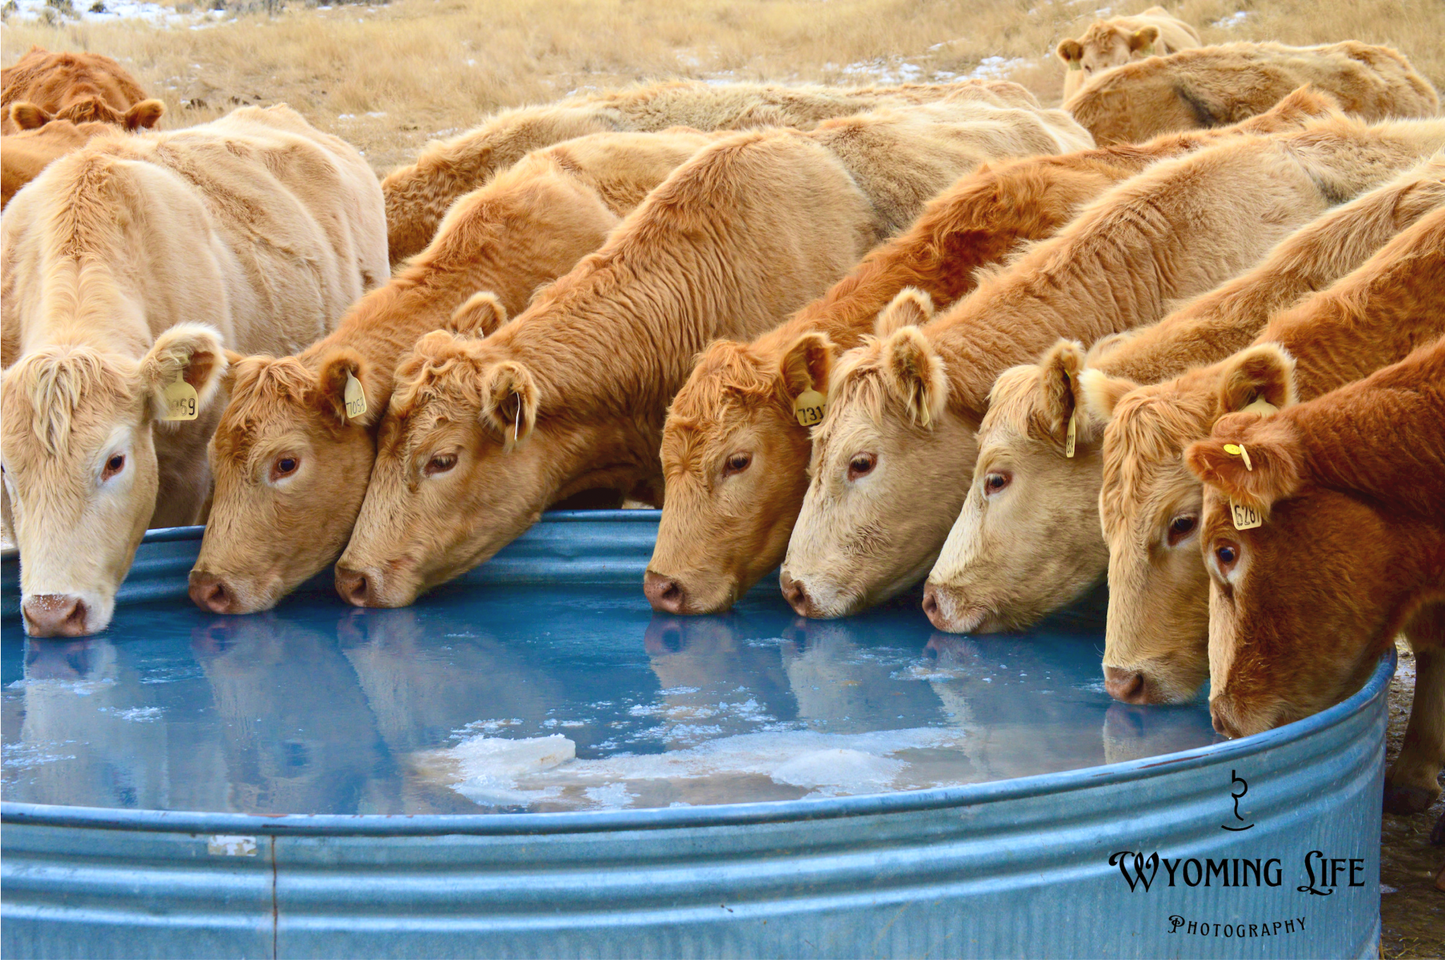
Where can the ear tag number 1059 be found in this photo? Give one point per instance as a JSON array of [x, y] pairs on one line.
[[355, 397], [180, 400], [808, 408]]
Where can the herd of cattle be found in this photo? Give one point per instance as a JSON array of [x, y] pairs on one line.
[[1185, 332]]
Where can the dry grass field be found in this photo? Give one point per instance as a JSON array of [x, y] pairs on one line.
[[390, 77]]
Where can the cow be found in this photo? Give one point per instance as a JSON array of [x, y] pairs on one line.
[[80, 87], [1116, 41], [716, 538], [1157, 633], [893, 455], [128, 267], [572, 394], [1322, 533], [1210, 86], [291, 462], [1028, 539], [419, 194]]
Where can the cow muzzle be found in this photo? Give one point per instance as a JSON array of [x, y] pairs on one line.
[[58, 615]]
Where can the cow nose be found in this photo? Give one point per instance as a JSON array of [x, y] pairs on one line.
[[796, 595], [55, 615], [1221, 722], [355, 587], [664, 593], [1126, 686], [209, 592], [930, 607]]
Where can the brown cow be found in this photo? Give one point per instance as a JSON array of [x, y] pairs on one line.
[[1155, 641], [480, 438], [127, 266], [291, 466], [1028, 540], [1114, 42], [909, 403], [418, 195], [1349, 489], [1209, 86], [80, 87], [23, 155], [717, 539]]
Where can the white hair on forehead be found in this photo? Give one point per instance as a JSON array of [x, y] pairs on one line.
[[54, 381]]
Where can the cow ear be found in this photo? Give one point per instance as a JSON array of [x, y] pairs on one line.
[[228, 376], [481, 316], [1101, 393], [28, 116], [910, 307], [806, 365], [509, 402], [1058, 380], [1264, 372], [1070, 51], [1270, 474], [144, 115], [1142, 40], [339, 368], [191, 352], [915, 373]]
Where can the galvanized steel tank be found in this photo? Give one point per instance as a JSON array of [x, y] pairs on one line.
[[1272, 844]]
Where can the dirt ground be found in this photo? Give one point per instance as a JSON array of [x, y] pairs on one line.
[[1412, 910]]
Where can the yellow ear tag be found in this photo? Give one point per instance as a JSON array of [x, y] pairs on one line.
[[355, 396], [1245, 518], [180, 400], [1148, 51], [1073, 435], [1075, 65], [808, 408], [1261, 406], [1237, 450]]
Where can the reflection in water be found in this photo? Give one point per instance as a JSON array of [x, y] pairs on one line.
[[577, 698]]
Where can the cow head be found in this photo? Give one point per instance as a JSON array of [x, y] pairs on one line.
[[735, 460], [80, 467], [1150, 505], [140, 116], [1301, 606], [1104, 46], [458, 474], [890, 465], [1027, 540]]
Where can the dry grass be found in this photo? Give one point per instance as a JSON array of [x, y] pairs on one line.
[[390, 77]]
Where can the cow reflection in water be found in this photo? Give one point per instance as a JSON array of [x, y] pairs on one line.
[[92, 734], [429, 680], [299, 736]]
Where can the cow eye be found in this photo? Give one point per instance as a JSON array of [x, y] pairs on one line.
[[1227, 555], [994, 482], [440, 464], [737, 463], [1181, 527], [114, 465], [284, 467], [861, 465]]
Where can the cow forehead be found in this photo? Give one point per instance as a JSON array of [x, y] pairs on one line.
[[55, 393]]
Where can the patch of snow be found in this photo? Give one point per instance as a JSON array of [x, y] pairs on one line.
[[112, 11], [996, 68], [1233, 20]]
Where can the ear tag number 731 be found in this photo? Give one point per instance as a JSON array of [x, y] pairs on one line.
[[808, 408]]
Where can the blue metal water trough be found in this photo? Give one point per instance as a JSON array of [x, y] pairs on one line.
[[529, 763]]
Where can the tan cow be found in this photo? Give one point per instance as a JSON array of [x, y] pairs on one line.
[[1116, 41], [23, 155], [723, 528], [892, 458], [1350, 489], [1156, 638], [418, 195], [81, 87], [1209, 86], [291, 465], [1028, 540], [127, 266], [571, 396]]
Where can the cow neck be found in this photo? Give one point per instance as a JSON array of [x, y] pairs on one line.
[[1335, 342]]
